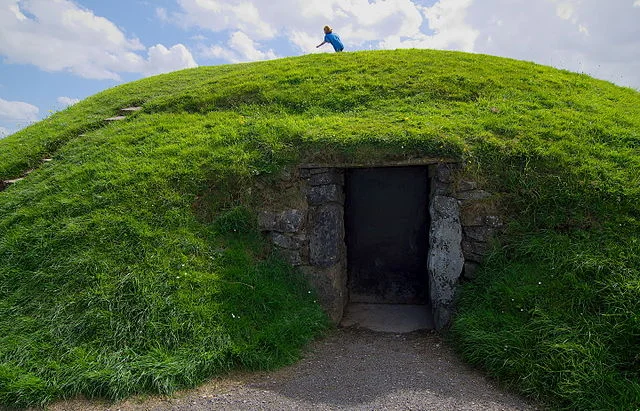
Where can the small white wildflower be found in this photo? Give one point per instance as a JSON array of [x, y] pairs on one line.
[[539, 282]]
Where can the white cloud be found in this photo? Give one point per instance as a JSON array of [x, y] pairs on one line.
[[163, 60], [239, 48], [162, 14], [4, 132], [18, 111], [67, 101], [597, 37], [447, 20], [228, 15], [591, 36], [358, 22], [565, 10], [59, 35]]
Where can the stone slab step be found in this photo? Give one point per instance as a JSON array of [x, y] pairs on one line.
[[6, 183], [116, 118], [130, 110], [390, 318]]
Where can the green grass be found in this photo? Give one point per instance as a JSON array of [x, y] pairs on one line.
[[131, 263]]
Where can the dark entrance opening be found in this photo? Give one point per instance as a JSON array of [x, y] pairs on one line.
[[386, 221]]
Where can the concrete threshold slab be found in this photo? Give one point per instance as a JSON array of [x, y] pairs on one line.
[[392, 318]]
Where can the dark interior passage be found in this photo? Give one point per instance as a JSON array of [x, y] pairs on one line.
[[386, 221]]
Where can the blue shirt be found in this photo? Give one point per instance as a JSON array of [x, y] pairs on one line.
[[334, 39]]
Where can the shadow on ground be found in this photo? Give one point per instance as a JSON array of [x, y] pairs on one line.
[[353, 369]]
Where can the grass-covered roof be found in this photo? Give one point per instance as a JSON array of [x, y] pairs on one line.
[[117, 277]]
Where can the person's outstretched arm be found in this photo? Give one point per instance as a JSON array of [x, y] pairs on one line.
[[321, 44]]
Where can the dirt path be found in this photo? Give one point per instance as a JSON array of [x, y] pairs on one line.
[[350, 369]]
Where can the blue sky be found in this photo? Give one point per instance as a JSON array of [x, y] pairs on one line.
[[55, 52]]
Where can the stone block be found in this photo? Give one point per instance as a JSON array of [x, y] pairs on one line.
[[470, 270], [326, 239], [441, 189], [288, 221], [479, 233], [333, 176], [287, 175], [331, 193], [473, 257], [330, 285], [287, 240], [473, 195], [493, 221], [319, 170], [444, 173], [446, 260], [479, 213], [305, 173], [465, 185], [293, 257], [475, 248]]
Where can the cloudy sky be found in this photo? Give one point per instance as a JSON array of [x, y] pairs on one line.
[[55, 52]]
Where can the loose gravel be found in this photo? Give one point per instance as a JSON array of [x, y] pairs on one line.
[[350, 369]]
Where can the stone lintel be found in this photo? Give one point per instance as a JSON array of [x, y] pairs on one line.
[[326, 178], [381, 164]]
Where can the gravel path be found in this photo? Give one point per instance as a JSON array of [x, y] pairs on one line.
[[351, 369]]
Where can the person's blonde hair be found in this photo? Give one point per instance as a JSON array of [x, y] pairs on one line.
[[327, 29]]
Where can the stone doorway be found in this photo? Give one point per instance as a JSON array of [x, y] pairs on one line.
[[449, 222], [386, 234]]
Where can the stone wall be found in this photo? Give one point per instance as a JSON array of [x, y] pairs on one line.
[[464, 219], [308, 230], [312, 236]]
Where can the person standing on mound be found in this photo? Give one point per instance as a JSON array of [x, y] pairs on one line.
[[331, 37]]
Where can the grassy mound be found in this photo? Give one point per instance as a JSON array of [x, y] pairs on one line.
[[131, 262]]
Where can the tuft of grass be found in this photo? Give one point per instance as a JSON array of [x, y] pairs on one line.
[[557, 318], [132, 263]]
